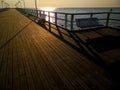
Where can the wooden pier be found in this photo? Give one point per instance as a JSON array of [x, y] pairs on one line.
[[31, 58]]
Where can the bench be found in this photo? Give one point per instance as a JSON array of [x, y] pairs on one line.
[[87, 23]]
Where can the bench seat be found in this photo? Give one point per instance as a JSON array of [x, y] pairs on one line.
[[88, 23]]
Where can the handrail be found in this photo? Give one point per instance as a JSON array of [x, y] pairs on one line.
[[3, 9], [67, 20]]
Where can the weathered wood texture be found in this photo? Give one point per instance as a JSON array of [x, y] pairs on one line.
[[33, 59]]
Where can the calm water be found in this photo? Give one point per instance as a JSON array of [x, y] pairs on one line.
[[87, 10]]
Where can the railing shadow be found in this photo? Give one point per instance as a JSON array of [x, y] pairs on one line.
[[78, 44], [105, 43], [61, 34]]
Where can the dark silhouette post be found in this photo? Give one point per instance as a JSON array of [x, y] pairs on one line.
[[24, 3], [36, 7], [6, 5], [111, 10], [19, 3], [2, 4]]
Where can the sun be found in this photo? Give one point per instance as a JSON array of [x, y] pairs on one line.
[[48, 8]]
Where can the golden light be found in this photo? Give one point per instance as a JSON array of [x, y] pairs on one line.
[[51, 14], [48, 8]]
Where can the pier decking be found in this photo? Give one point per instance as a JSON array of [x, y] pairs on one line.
[[31, 58]]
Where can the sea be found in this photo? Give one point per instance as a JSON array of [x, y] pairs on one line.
[[92, 10], [112, 23], [87, 10]]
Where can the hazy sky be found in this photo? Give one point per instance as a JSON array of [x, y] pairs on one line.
[[69, 3]]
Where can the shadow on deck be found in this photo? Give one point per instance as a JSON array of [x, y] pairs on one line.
[[101, 45], [105, 43], [103, 40], [91, 43]]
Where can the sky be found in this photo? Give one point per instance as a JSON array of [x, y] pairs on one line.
[[67, 3]]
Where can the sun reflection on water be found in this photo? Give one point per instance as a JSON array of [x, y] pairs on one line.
[[46, 13], [47, 8]]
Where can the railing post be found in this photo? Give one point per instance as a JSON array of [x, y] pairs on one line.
[[36, 13], [2, 4], [108, 17], [72, 18], [65, 20], [40, 13], [49, 20], [48, 16], [36, 8], [91, 15], [55, 18], [43, 12], [33, 12]]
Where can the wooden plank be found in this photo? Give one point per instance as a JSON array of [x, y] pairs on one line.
[[37, 79], [36, 55], [26, 58], [9, 67], [16, 79], [22, 73], [46, 70]]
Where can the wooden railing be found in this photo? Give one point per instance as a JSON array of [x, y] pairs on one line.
[[67, 20]]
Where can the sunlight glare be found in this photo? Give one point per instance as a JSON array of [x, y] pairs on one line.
[[47, 8]]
